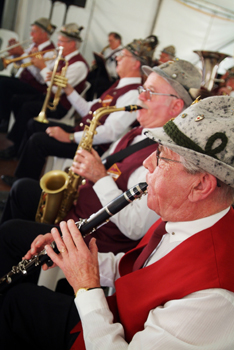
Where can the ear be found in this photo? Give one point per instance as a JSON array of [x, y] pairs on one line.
[[137, 64], [204, 185], [177, 107]]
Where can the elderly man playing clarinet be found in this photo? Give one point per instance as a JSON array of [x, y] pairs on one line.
[[175, 290]]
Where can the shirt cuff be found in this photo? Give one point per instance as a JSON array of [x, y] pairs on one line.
[[90, 301]]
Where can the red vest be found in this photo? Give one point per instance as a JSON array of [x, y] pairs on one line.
[[79, 87], [27, 77], [203, 261]]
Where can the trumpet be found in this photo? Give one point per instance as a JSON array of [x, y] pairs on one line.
[[52, 106], [4, 62]]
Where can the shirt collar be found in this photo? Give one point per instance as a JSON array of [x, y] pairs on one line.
[[179, 231], [72, 54], [43, 45], [128, 81]]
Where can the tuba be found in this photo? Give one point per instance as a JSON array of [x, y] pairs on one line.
[[210, 63], [47, 104], [60, 189]]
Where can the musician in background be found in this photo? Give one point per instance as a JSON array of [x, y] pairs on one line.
[[167, 54], [164, 95], [62, 140], [99, 80], [27, 107], [176, 289], [28, 80]]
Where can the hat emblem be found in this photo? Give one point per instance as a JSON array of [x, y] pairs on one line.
[[199, 118]]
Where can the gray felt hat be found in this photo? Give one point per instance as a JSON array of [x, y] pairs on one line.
[[204, 135], [45, 24], [143, 50], [181, 75], [72, 31]]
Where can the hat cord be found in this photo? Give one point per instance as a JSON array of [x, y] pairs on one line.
[[184, 141]]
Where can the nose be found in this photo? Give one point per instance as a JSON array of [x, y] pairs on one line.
[[142, 96], [150, 162]]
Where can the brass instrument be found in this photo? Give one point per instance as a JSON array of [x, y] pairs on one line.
[[210, 63], [52, 106], [4, 62], [60, 189]]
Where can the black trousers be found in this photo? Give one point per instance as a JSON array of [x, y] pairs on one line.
[[33, 317], [34, 153], [26, 108], [30, 316], [9, 87]]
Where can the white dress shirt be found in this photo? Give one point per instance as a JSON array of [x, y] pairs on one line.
[[110, 56], [117, 122], [76, 72], [136, 218], [34, 70], [202, 320]]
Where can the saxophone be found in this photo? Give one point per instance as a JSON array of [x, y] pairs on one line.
[[60, 189]]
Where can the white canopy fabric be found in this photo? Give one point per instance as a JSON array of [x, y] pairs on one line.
[[187, 24]]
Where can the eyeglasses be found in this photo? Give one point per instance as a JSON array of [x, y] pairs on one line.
[[122, 54], [167, 159], [63, 41], [148, 93]]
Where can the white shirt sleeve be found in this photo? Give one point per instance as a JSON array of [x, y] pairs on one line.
[[136, 218], [116, 123], [108, 268], [201, 321], [75, 73], [80, 104]]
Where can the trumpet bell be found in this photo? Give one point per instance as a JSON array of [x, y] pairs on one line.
[[41, 118]]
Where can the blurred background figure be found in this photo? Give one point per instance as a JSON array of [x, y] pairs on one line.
[[103, 73]]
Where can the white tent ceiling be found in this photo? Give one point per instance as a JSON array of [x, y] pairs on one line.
[[187, 24]]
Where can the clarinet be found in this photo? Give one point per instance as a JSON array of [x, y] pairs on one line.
[[86, 227]]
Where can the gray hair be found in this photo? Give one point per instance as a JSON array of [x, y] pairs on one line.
[[194, 169]]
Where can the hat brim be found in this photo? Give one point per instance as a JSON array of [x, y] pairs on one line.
[[182, 92], [215, 167], [70, 36]]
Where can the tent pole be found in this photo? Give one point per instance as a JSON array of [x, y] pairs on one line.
[[156, 16]]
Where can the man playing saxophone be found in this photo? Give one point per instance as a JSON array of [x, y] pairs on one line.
[[28, 80], [27, 107], [161, 99], [62, 140]]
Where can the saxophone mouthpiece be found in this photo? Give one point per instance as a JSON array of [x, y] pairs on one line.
[[132, 108]]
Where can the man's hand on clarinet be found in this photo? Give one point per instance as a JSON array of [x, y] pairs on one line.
[[78, 262]]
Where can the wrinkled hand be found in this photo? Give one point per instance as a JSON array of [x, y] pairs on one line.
[[78, 262], [15, 51], [38, 245], [88, 165], [58, 133], [60, 81], [38, 61], [225, 90]]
